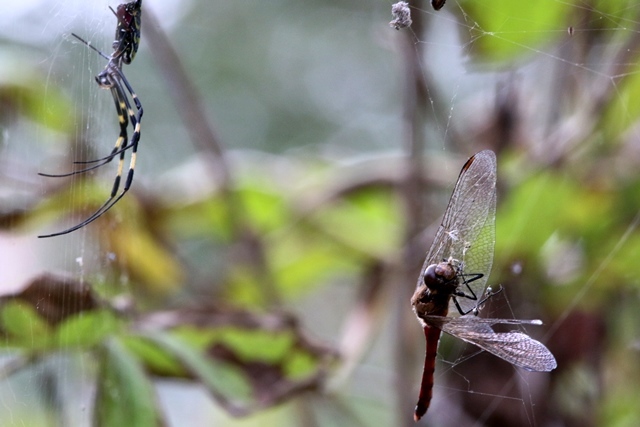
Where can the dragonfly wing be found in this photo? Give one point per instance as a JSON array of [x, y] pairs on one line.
[[516, 348], [467, 232]]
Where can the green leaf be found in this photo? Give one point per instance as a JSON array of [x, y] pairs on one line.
[[220, 378], [203, 218], [155, 358], [300, 364], [276, 348], [504, 29], [148, 260], [86, 329], [256, 344], [25, 91], [24, 327], [544, 204], [125, 396], [368, 221], [301, 261], [264, 206], [623, 110]]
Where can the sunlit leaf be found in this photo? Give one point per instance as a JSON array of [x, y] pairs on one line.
[[302, 261], [368, 221], [543, 204], [300, 364], [266, 346], [146, 258], [155, 358], [506, 30], [264, 207]]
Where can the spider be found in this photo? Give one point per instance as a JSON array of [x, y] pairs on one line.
[[125, 47]]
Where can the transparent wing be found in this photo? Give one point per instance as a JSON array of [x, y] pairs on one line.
[[515, 347], [467, 232]]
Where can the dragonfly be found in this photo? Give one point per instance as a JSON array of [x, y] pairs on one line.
[[451, 288]]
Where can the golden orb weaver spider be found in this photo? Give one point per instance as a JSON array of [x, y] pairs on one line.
[[125, 45]]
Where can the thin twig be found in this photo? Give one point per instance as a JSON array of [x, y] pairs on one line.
[[415, 104], [187, 99]]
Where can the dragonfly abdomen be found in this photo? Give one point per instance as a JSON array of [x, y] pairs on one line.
[[432, 336]]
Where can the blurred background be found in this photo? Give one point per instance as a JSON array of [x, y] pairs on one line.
[[294, 163]]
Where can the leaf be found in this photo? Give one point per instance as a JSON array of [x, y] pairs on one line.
[[86, 330], [252, 345], [622, 112], [542, 205], [202, 218], [248, 361], [23, 326], [25, 91], [264, 206], [125, 396], [225, 383], [148, 261], [300, 364], [56, 297], [303, 260], [367, 221], [504, 29], [155, 358]]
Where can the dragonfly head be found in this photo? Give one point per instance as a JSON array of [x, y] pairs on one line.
[[438, 275]]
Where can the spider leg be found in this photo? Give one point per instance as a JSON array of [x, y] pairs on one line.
[[97, 214], [133, 144], [89, 45], [121, 143], [134, 118], [124, 80]]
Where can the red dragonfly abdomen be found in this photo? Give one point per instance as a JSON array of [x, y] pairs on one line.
[[432, 336]]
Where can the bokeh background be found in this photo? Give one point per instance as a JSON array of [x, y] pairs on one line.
[[295, 160]]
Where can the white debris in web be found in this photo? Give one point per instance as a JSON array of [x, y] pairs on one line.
[[401, 15]]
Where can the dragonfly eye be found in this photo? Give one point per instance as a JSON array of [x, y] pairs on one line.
[[430, 278], [437, 275]]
